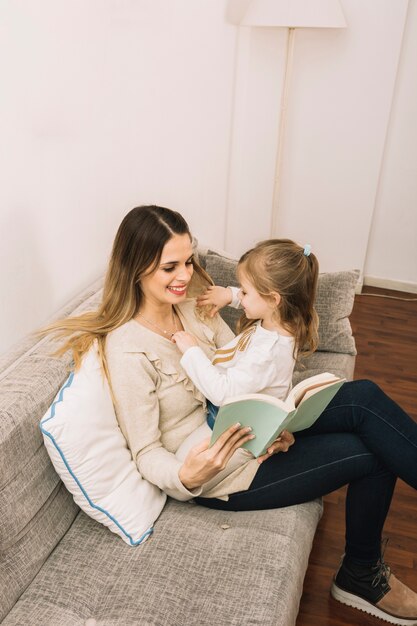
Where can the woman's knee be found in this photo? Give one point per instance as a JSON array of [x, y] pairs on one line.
[[368, 395], [365, 394], [367, 387]]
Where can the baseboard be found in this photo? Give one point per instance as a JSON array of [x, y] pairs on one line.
[[387, 283]]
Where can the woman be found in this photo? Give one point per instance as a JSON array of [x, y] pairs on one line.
[[362, 439]]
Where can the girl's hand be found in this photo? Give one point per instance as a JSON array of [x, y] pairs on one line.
[[215, 296], [184, 340], [281, 444], [203, 463]]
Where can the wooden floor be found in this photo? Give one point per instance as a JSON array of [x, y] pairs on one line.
[[386, 339]]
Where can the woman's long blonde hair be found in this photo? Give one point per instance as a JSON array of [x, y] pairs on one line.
[[280, 265], [137, 249]]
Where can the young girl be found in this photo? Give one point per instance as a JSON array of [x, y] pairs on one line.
[[278, 281]]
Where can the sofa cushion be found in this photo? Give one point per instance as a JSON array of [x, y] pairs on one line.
[[199, 568], [334, 302], [341, 365], [90, 454], [21, 560]]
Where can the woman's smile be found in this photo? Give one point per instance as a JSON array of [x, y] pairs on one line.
[[177, 290]]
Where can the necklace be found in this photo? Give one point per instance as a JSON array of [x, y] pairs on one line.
[[162, 330]]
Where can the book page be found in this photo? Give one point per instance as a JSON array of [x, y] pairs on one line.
[[310, 384], [260, 397], [310, 391], [313, 406]]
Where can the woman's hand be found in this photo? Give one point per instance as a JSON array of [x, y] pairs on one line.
[[215, 296], [202, 462], [281, 444], [184, 340]]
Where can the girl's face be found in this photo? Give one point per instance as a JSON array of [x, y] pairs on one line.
[[255, 306], [168, 283]]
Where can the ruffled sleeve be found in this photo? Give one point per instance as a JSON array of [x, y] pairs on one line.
[[174, 371]]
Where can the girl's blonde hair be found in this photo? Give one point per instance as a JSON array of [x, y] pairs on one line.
[[280, 265], [137, 250]]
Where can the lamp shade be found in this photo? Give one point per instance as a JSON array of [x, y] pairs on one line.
[[294, 14]]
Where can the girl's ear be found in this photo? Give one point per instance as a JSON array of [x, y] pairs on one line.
[[276, 298]]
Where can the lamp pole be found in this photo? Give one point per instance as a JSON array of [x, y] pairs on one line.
[[289, 54]]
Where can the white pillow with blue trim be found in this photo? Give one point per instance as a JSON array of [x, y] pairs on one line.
[[90, 454]]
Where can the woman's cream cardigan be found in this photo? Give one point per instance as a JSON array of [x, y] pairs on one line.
[[158, 406]]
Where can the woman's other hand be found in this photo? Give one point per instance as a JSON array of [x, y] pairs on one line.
[[215, 296], [184, 340], [281, 444], [202, 462]]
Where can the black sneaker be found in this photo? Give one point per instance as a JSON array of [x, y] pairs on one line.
[[362, 587]]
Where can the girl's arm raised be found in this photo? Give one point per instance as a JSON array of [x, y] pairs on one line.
[[217, 297]]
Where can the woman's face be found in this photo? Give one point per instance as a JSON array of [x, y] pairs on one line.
[[168, 283]]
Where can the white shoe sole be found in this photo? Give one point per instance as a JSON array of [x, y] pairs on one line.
[[359, 603]]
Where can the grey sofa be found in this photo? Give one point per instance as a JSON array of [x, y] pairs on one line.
[[200, 567]]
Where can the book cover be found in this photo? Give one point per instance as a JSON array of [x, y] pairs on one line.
[[269, 416]]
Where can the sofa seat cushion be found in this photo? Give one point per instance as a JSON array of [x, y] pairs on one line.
[[200, 567], [21, 560]]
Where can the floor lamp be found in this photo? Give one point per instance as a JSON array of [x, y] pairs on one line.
[[290, 14]]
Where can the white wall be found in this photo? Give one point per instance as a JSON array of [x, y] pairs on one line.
[[392, 248], [336, 145], [339, 105], [107, 104], [104, 105]]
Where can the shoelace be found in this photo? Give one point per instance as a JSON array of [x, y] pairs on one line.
[[383, 570]]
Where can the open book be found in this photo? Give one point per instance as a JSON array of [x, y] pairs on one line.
[[269, 416]]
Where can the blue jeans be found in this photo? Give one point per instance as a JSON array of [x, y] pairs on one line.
[[212, 411], [363, 439]]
